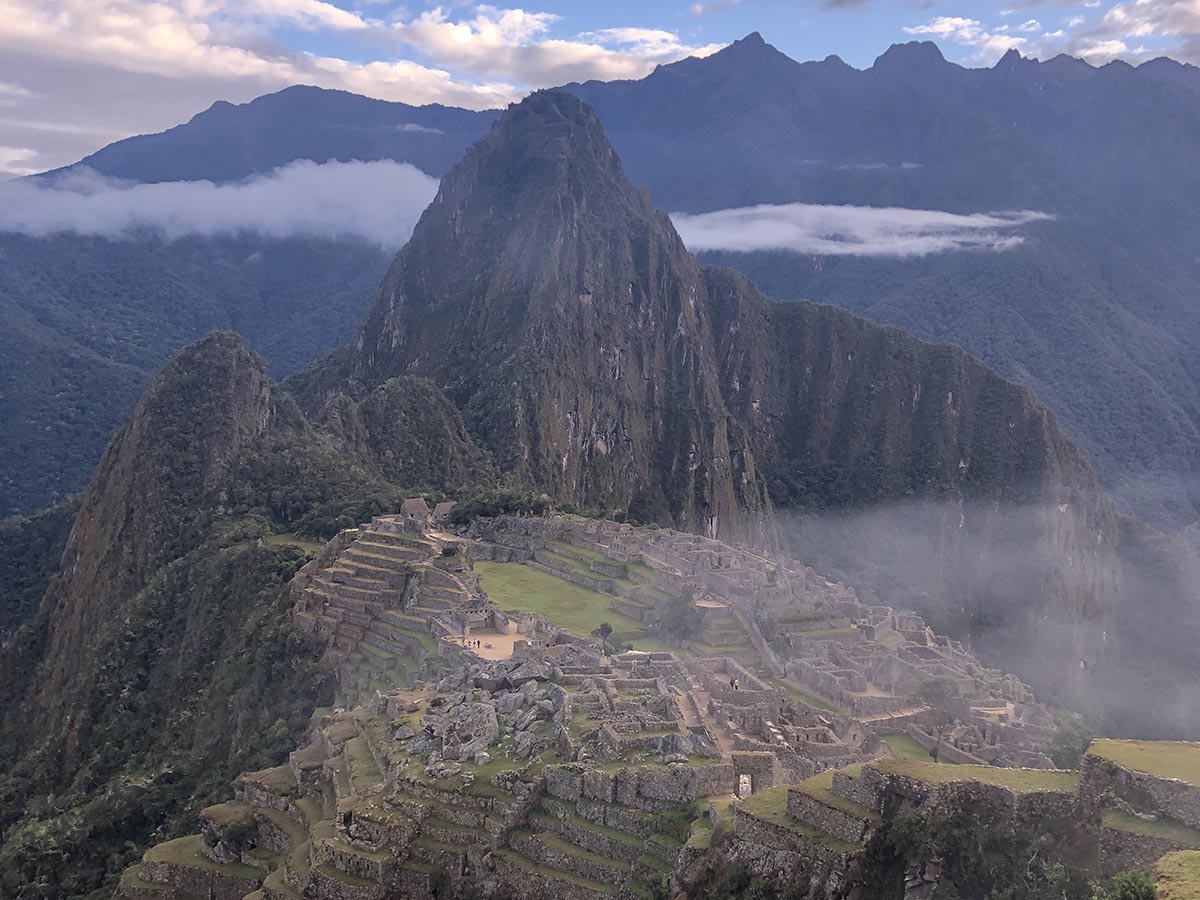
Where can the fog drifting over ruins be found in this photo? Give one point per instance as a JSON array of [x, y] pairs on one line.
[[1091, 656]]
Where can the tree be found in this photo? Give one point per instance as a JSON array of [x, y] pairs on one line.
[[939, 695], [679, 619], [1128, 885], [1071, 739], [603, 631]]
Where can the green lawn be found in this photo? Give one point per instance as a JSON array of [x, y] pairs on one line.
[[189, 851], [1172, 831], [946, 773], [771, 806], [1167, 759], [904, 747], [566, 548], [290, 540], [796, 694], [820, 787], [1179, 876], [512, 586]]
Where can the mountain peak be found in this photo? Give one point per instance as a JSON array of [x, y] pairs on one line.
[[551, 139], [911, 55], [1009, 61]]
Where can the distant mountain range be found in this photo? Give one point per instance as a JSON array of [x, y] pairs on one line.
[[545, 330], [1096, 310]]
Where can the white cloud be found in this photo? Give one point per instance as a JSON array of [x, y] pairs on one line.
[[1101, 51], [1132, 30], [513, 44], [989, 45], [851, 230], [10, 92], [203, 50], [379, 201], [11, 159]]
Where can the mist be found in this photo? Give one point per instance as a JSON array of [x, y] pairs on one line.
[[1087, 634], [852, 230], [377, 201]]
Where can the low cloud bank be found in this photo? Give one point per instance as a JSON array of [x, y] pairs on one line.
[[378, 201], [851, 230]]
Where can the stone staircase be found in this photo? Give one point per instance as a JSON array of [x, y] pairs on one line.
[[378, 605], [592, 848]]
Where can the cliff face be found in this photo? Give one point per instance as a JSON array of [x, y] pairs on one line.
[[560, 311], [156, 485], [598, 361], [996, 512]]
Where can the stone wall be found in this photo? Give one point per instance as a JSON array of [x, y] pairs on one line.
[[782, 854], [947, 753], [837, 822], [1121, 850], [192, 881], [1102, 782]]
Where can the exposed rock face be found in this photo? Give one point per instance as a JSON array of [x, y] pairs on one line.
[[844, 413], [588, 350], [156, 484], [560, 311]]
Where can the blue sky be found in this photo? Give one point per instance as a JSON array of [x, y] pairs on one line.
[[856, 31], [77, 74]]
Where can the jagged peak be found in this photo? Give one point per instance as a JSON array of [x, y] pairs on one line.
[[1010, 61], [913, 54], [549, 143]]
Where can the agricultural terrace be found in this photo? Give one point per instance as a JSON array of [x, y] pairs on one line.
[[947, 773], [1166, 759], [580, 610]]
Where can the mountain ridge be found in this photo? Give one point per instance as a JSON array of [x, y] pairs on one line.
[[1092, 310]]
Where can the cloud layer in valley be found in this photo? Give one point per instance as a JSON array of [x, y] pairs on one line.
[[377, 201], [851, 230]]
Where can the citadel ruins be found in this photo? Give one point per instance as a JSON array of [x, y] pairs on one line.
[[482, 747]]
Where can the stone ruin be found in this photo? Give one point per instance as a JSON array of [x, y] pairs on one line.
[[483, 748]]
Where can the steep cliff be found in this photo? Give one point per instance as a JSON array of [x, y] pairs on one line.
[[598, 361], [560, 311], [160, 659], [156, 486], [932, 479]]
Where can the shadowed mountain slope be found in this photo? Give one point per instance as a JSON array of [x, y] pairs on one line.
[[597, 361]]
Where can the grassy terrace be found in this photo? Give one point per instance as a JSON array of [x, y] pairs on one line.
[[566, 552], [513, 586], [1021, 780], [525, 862], [1172, 831], [1179, 876], [819, 787], [188, 851], [1166, 759], [771, 806], [904, 747], [291, 540], [796, 694]]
